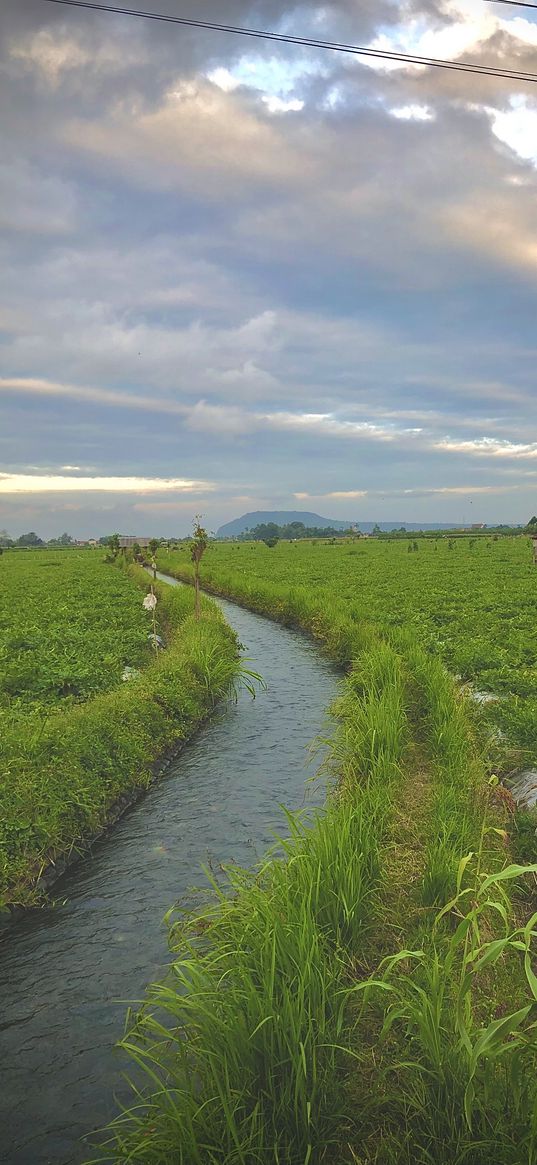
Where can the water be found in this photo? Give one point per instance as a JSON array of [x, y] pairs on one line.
[[68, 972]]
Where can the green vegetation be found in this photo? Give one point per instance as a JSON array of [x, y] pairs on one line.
[[68, 627], [268, 531], [367, 995], [75, 739], [474, 605]]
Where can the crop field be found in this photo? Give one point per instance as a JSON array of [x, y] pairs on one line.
[[69, 625], [74, 737], [471, 601], [370, 997], [475, 604], [379, 1002]]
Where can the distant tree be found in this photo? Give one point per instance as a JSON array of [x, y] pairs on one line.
[[293, 532], [154, 545], [30, 539], [137, 552], [113, 542], [376, 529], [198, 546], [271, 542], [5, 539]]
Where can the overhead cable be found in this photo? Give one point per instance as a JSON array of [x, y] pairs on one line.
[[514, 3], [309, 42]]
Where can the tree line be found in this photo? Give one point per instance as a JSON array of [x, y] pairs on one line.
[[267, 531]]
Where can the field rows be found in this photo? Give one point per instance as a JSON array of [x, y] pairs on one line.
[[371, 997], [378, 1005], [69, 625], [474, 605], [75, 737]]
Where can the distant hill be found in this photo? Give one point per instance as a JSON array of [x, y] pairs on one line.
[[284, 517], [280, 517]]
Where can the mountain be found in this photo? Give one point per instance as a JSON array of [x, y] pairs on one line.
[[284, 517], [281, 517]]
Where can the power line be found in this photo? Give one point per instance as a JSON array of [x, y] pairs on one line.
[[309, 42], [514, 3]]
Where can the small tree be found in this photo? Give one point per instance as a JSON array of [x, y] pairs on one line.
[[153, 546], [270, 542], [198, 546], [113, 543], [30, 539]]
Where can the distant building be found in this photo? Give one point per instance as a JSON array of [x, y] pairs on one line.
[[478, 526], [127, 541]]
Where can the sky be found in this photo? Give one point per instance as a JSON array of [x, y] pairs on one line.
[[239, 275]]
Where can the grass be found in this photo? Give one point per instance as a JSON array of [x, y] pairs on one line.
[[474, 607], [454, 1061], [62, 779], [69, 625], [367, 994], [242, 1045], [274, 1039]]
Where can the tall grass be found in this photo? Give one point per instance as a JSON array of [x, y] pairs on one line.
[[243, 1046], [443, 726], [248, 1049], [455, 1059]]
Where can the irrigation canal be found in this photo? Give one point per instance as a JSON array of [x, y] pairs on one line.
[[68, 972]]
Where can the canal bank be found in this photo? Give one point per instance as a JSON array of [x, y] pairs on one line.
[[68, 973]]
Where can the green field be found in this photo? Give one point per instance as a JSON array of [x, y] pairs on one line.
[[473, 602], [68, 627], [371, 999], [78, 733], [368, 994]]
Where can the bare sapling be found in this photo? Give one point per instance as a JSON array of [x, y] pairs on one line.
[[199, 544]]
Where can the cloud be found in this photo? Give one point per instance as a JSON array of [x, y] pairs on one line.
[[197, 133], [412, 113], [166, 508], [327, 425], [464, 491], [247, 263], [340, 495], [487, 447], [34, 201], [21, 483]]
